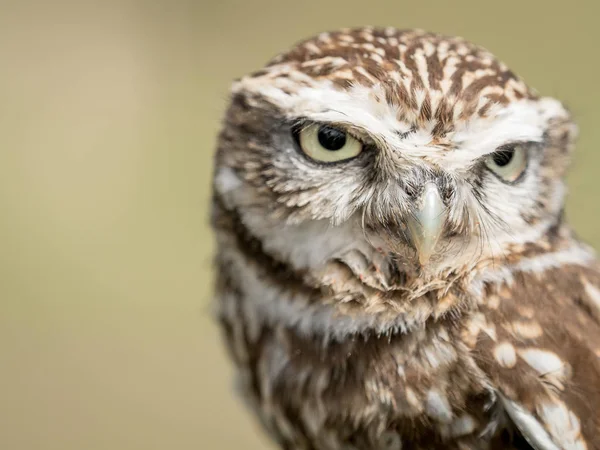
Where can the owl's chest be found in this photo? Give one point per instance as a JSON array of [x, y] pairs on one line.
[[420, 390]]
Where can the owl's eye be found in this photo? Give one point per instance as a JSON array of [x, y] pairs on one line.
[[327, 144], [508, 163]]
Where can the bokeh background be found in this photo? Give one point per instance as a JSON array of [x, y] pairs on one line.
[[108, 117]]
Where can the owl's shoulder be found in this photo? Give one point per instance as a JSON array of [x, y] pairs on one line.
[[537, 338]]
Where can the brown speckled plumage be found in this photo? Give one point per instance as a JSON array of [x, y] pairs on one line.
[[406, 62], [342, 336]]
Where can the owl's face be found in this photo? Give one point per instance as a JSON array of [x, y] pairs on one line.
[[398, 146]]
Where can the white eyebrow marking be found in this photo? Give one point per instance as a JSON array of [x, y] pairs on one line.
[[365, 107]]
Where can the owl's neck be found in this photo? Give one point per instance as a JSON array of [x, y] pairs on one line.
[[344, 299]]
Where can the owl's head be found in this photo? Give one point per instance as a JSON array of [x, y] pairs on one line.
[[400, 146]]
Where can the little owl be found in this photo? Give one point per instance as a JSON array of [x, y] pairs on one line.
[[394, 269]]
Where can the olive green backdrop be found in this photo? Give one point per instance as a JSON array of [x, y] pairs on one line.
[[108, 117]]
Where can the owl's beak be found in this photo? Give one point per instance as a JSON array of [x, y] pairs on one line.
[[427, 222]]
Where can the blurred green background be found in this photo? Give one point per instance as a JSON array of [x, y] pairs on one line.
[[108, 117]]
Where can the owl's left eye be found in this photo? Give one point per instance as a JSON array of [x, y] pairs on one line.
[[328, 144], [508, 163]]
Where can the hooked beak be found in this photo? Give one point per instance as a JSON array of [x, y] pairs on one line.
[[427, 222]]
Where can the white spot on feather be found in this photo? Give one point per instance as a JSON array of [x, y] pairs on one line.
[[505, 355], [592, 291], [437, 407], [413, 400], [227, 180], [493, 302], [531, 429], [562, 424], [463, 426], [542, 361], [525, 329]]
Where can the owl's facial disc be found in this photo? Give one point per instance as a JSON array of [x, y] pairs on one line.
[[424, 156]]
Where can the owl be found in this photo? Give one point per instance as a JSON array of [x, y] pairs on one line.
[[394, 269]]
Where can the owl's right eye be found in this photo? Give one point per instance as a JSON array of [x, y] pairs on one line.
[[328, 144]]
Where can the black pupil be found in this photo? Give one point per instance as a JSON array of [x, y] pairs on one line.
[[331, 138], [504, 157]]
